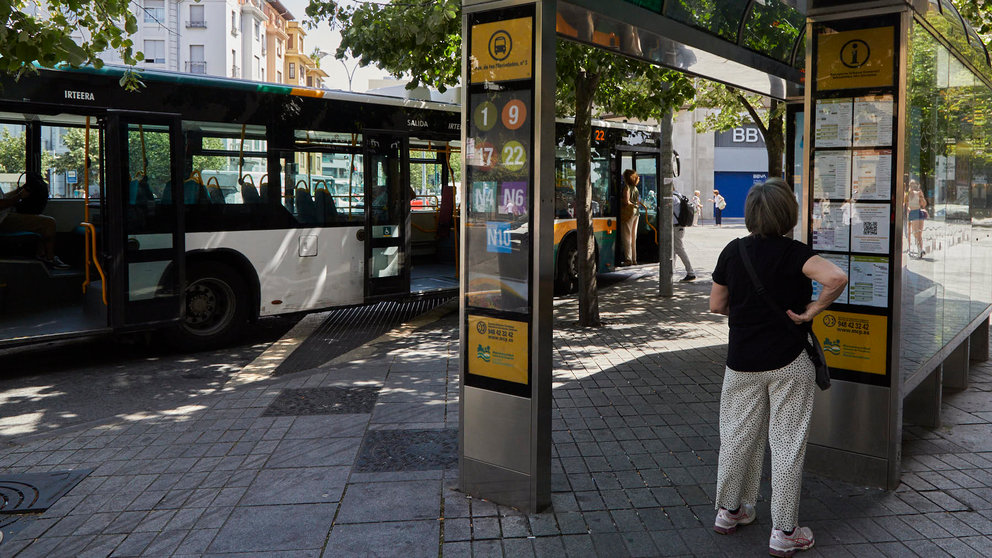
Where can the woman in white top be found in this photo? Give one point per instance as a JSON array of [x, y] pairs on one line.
[[697, 206]]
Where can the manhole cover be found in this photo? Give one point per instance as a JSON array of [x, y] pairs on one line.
[[408, 450], [35, 492], [323, 401]]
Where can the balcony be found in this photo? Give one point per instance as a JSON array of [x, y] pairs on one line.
[[197, 24], [196, 67]]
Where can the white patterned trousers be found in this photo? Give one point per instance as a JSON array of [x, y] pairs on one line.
[[776, 406]]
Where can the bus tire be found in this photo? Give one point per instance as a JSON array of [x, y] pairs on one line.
[[216, 307], [567, 270]]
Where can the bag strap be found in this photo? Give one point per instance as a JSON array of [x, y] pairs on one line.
[[760, 289]]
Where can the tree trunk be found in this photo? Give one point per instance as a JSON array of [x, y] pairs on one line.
[[775, 140], [585, 88]]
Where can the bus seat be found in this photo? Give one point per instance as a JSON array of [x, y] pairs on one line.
[[194, 193], [326, 207], [215, 194], [306, 210], [19, 244], [139, 192], [249, 194]]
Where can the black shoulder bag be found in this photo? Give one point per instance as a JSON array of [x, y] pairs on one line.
[[813, 347]]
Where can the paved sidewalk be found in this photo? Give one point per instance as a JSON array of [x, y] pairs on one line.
[[360, 459]]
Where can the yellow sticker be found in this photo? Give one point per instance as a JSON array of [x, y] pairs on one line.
[[502, 50], [853, 59], [497, 348], [857, 342]]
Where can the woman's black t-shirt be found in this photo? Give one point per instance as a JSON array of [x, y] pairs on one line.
[[758, 338]]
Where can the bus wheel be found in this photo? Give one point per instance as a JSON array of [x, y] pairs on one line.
[[216, 307], [567, 274]]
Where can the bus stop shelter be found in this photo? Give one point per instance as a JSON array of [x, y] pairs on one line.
[[872, 87]]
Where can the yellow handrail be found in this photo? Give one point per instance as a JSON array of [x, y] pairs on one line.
[[652, 227], [86, 185], [215, 182], [89, 245]]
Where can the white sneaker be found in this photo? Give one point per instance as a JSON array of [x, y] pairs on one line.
[[783, 545], [726, 522]]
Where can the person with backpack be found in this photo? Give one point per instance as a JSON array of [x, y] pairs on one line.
[[630, 196], [683, 216]]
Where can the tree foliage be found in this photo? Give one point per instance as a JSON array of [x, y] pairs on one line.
[[978, 13], [423, 42], [41, 32]]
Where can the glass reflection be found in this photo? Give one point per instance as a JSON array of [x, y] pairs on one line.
[[772, 29], [947, 242], [720, 17]]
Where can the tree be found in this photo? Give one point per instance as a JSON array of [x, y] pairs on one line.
[[736, 108], [425, 45], [978, 13], [41, 32]]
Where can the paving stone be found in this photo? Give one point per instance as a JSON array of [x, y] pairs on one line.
[[274, 528], [404, 538], [390, 501], [312, 485]]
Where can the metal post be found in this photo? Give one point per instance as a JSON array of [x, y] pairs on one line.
[[956, 367], [506, 275]]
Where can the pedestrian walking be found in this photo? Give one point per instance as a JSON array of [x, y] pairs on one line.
[[678, 233], [719, 204], [768, 383]]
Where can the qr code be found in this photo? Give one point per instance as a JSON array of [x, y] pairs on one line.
[[871, 227]]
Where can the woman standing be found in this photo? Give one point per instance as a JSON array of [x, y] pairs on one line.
[[768, 384], [916, 203], [697, 206], [629, 213], [719, 204]]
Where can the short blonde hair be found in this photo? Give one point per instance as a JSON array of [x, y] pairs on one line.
[[770, 208]]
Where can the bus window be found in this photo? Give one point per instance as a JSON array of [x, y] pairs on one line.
[[599, 175], [12, 160], [229, 161], [62, 160], [324, 180]]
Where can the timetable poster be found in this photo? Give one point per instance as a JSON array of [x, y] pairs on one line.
[[832, 175], [870, 228], [873, 121], [869, 281], [832, 127], [830, 230], [872, 174], [840, 260]]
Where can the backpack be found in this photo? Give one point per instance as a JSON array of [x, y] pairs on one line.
[[686, 212]]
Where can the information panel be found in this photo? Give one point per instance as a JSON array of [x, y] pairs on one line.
[[499, 199], [852, 220]]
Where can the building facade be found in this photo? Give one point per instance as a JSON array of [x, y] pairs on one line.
[[256, 40]]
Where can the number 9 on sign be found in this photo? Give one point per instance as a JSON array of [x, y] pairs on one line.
[[513, 156]]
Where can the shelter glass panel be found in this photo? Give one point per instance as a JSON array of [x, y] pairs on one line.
[[772, 29], [722, 18]]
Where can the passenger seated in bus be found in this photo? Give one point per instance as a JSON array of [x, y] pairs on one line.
[[43, 225]]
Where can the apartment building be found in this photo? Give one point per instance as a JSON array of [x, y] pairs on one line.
[[247, 39], [301, 68]]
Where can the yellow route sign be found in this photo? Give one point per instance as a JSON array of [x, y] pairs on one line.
[[851, 341], [502, 50], [854, 59], [497, 348]]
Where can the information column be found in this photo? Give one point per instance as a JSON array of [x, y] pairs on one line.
[[506, 280]]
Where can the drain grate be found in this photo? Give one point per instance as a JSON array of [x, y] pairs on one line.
[[323, 401], [408, 450], [36, 492], [349, 328]]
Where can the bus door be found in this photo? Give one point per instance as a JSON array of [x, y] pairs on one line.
[[647, 164], [387, 215], [145, 233]]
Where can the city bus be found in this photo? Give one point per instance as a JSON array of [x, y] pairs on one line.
[[199, 204]]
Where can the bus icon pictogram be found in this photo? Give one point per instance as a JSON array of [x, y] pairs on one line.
[[500, 45]]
